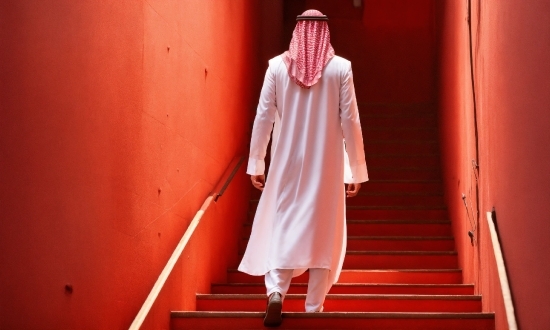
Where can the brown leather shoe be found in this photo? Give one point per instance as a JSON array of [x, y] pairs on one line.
[[273, 317]]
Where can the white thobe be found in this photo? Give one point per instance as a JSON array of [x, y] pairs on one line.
[[300, 219]]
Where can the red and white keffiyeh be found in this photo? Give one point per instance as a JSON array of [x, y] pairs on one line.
[[309, 51]]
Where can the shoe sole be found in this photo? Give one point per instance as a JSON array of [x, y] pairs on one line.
[[273, 317]]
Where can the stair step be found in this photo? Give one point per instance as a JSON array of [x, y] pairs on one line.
[[389, 228], [370, 132], [401, 243], [335, 320], [406, 173], [400, 259], [384, 113], [398, 228], [376, 185], [388, 199], [376, 121], [395, 201], [396, 276], [389, 186], [402, 160], [396, 212], [394, 109], [391, 243], [401, 146], [345, 302], [352, 288], [387, 212]]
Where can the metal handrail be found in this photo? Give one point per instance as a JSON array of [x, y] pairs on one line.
[[218, 191]]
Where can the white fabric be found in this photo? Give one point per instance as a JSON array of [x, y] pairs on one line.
[[317, 289], [278, 280], [300, 219]]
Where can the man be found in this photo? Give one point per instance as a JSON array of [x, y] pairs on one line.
[[308, 100]]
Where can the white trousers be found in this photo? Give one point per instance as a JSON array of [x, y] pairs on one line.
[[278, 280]]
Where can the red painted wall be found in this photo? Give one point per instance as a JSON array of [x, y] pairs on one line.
[[117, 119], [512, 76]]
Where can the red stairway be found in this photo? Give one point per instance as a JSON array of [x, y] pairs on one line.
[[401, 269]]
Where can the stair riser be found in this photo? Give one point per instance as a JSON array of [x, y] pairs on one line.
[[399, 229], [388, 230], [395, 201], [401, 187], [399, 122], [389, 160], [427, 201], [401, 148], [397, 110], [381, 200], [352, 289], [384, 261], [377, 214], [381, 229], [387, 245], [400, 245], [400, 262], [360, 214], [381, 214], [347, 305], [381, 174], [372, 133], [367, 277], [387, 187], [335, 323]]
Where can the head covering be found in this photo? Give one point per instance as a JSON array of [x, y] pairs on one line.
[[309, 51]]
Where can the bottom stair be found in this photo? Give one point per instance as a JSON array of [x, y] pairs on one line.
[[335, 320]]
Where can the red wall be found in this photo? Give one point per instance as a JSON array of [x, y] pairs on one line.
[[117, 119], [374, 38], [512, 75]]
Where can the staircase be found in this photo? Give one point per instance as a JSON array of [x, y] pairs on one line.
[[401, 269]]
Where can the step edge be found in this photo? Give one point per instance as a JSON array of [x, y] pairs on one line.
[[405, 253], [415, 285], [394, 253], [388, 222], [385, 207], [404, 270], [367, 315], [297, 296], [392, 238]]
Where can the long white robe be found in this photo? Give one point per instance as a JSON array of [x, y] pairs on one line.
[[300, 219]]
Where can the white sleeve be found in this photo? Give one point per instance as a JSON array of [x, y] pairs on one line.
[[263, 124], [351, 127]]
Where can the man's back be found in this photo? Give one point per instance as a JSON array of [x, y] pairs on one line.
[[308, 101], [302, 206]]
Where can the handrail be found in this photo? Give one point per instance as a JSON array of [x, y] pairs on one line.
[[227, 177], [159, 284], [501, 269]]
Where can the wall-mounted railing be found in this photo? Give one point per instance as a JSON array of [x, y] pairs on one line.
[[218, 191], [503, 277]]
